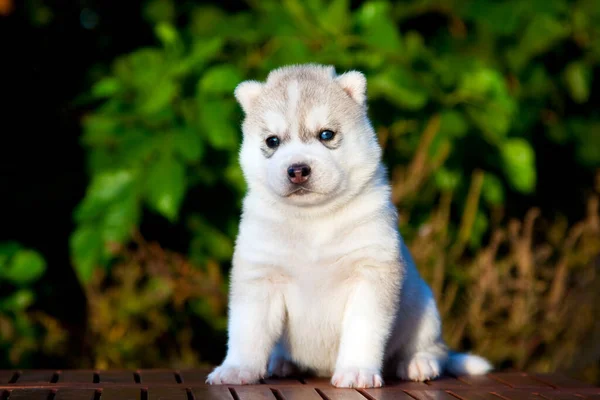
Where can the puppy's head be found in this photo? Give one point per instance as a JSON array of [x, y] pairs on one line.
[[307, 139]]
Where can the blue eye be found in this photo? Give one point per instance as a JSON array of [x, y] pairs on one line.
[[326, 135], [272, 142]]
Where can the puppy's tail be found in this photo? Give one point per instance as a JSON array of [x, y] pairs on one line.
[[467, 364]]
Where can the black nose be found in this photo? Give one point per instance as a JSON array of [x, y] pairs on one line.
[[298, 173]]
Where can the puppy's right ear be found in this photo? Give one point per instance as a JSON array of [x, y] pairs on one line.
[[247, 92]]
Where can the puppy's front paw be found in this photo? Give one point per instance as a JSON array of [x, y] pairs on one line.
[[356, 378], [421, 367], [233, 375]]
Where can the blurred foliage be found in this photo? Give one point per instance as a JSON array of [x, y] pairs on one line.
[[166, 123], [24, 332], [458, 91], [530, 298], [140, 314]]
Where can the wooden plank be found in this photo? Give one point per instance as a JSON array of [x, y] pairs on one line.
[[558, 395], [430, 395], [121, 393], [212, 393], [36, 376], [29, 394], [518, 395], [300, 392], [518, 380], [386, 393], [195, 376], [167, 393], [592, 396], [482, 381], [114, 376], [405, 385], [559, 380], [281, 382], [254, 393], [317, 382], [446, 382], [76, 376], [74, 394], [332, 393], [162, 376], [6, 376], [474, 394]]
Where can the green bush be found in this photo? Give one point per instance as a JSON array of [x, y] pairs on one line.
[[23, 333], [168, 122]]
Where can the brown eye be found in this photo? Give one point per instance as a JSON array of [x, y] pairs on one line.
[[326, 135], [272, 142]]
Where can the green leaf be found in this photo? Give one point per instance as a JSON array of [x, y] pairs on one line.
[[492, 190], [453, 124], [7, 250], [106, 87], [543, 32], [187, 142], [217, 122], [99, 129], [165, 187], [206, 20], [19, 300], [220, 79], [378, 30], [157, 96], [86, 246], [120, 219], [25, 267], [578, 78], [399, 87], [105, 188], [167, 34], [203, 51], [337, 11], [157, 11], [446, 179], [519, 164]]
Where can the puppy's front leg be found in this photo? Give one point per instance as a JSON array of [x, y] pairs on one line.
[[367, 322], [256, 315]]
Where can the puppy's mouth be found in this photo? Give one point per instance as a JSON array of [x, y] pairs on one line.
[[301, 191]]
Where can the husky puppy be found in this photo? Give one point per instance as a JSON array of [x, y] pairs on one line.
[[321, 280]]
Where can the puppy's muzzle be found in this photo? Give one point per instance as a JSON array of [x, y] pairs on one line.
[[298, 173]]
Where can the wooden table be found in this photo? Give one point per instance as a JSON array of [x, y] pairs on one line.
[[189, 385]]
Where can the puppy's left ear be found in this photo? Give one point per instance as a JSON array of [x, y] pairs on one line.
[[355, 84], [247, 92]]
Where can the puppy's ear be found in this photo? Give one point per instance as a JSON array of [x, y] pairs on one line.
[[355, 84], [246, 92]]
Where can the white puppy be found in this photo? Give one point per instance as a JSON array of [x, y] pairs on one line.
[[322, 281]]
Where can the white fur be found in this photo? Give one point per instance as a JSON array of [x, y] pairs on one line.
[[323, 282], [317, 118], [355, 85], [247, 92], [275, 122]]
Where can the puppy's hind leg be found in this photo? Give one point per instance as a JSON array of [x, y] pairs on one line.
[[425, 354]]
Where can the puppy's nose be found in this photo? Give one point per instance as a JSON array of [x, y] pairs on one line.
[[298, 173]]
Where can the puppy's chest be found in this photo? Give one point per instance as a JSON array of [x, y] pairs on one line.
[[307, 248]]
